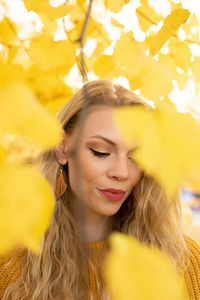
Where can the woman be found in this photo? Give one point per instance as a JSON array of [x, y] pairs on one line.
[[112, 194]]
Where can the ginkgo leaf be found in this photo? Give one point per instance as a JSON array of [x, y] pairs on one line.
[[115, 5], [130, 55], [181, 53], [60, 53], [147, 16], [43, 7], [22, 114], [116, 23], [129, 268], [8, 32], [171, 24], [10, 73], [169, 62], [47, 84], [104, 66], [25, 209], [188, 26], [156, 80], [56, 105], [163, 149]]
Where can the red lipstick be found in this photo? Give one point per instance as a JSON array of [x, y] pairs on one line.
[[113, 194]]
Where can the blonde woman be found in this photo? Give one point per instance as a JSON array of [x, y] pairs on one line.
[[115, 195]]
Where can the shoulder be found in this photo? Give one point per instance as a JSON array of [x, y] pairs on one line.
[[192, 269], [10, 268]]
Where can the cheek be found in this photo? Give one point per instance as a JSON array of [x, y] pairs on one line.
[[136, 175], [90, 170]]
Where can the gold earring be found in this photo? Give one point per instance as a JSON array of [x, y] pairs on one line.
[[61, 184]]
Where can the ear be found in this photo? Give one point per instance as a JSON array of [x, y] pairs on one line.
[[61, 151]]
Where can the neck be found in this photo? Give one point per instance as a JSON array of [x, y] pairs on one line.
[[96, 227]]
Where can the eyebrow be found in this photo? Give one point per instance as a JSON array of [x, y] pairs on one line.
[[109, 141]]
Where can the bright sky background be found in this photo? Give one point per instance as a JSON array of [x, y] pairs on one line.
[[189, 98]]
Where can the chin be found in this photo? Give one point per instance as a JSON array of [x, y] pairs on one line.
[[110, 211]]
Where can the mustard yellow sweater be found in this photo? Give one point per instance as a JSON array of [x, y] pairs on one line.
[[10, 268]]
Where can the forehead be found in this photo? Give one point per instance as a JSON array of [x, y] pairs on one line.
[[100, 120]]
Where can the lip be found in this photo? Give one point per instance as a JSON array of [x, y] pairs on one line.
[[113, 194]]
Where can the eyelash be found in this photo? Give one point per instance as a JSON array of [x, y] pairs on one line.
[[105, 154], [99, 154]]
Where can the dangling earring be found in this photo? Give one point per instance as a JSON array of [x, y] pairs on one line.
[[61, 184]]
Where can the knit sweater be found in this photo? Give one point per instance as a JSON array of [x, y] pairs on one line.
[[10, 268]]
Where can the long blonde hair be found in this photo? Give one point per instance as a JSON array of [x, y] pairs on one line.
[[58, 271]]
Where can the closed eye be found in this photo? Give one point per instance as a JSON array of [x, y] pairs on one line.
[[99, 154]]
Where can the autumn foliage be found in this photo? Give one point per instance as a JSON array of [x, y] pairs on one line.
[[35, 67]]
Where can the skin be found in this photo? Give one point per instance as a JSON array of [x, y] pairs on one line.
[[113, 169]]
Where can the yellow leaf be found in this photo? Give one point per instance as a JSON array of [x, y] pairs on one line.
[[10, 73], [8, 32], [136, 271], [163, 148], [147, 16], [21, 114], [171, 24], [115, 5], [60, 53], [25, 208], [56, 105], [181, 53], [130, 55], [43, 7], [116, 23], [193, 23], [169, 62], [77, 17], [47, 84], [104, 66], [154, 80]]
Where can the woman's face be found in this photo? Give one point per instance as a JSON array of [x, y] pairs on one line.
[[106, 171]]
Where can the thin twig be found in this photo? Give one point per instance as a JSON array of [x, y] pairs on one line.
[[81, 41]]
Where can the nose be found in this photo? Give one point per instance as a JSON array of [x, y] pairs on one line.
[[119, 169]]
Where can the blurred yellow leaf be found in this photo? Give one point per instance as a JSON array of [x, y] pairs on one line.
[[60, 53], [147, 16], [116, 23], [188, 26], [115, 5], [163, 148], [8, 32], [155, 80], [168, 61], [104, 66], [47, 84], [181, 53], [56, 105], [26, 203], [21, 114], [44, 7], [171, 24], [10, 73], [130, 55], [136, 271]]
